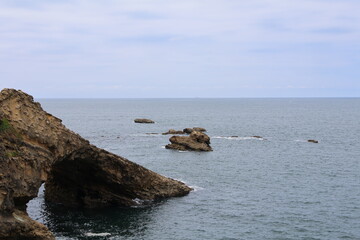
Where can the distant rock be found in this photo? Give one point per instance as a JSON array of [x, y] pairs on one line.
[[256, 136], [313, 141], [197, 129], [173, 131], [197, 141], [143, 120]]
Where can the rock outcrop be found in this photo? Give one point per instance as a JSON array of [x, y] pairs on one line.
[[313, 141], [197, 129], [188, 130], [143, 120], [197, 141], [35, 147], [173, 131]]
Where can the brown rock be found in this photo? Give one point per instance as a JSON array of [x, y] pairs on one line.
[[172, 131], [256, 136], [199, 129], [313, 141], [197, 141], [143, 120], [188, 130], [35, 147]]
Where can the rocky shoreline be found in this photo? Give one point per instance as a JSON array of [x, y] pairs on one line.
[[37, 148]]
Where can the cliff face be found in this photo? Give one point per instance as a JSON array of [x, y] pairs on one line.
[[35, 147]]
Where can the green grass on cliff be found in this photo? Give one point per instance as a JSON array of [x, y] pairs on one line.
[[7, 130], [4, 125]]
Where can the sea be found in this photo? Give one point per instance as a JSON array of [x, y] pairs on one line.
[[279, 186]]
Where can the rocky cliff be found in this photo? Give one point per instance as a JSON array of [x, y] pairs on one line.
[[35, 147]]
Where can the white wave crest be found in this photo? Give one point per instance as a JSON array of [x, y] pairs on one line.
[[90, 234], [238, 138], [197, 188]]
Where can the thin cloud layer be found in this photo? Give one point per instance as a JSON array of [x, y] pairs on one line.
[[182, 48]]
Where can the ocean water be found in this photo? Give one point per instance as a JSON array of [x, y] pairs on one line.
[[277, 187]]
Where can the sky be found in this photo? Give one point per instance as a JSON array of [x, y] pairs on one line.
[[180, 48]]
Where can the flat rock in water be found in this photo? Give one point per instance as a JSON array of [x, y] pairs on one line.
[[256, 136], [173, 131], [313, 141], [143, 120]]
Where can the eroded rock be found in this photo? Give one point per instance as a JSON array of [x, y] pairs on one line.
[[35, 147], [188, 130], [197, 129], [197, 141]]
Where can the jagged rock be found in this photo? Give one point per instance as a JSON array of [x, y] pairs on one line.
[[188, 130], [35, 147], [173, 131], [143, 120], [197, 141], [313, 141], [199, 129]]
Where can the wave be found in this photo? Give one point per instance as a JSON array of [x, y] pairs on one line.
[[197, 188], [239, 138], [90, 234]]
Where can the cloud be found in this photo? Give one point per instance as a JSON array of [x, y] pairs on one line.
[[173, 43]]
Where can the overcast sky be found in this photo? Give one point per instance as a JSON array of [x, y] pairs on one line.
[[181, 48]]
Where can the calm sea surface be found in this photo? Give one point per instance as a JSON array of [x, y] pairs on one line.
[[279, 188]]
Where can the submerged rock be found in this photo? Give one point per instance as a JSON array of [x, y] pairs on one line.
[[197, 141], [173, 131], [313, 141], [256, 136], [35, 147], [143, 120]]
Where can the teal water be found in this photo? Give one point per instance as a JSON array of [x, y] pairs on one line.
[[281, 187]]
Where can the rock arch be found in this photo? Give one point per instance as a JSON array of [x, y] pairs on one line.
[[35, 147]]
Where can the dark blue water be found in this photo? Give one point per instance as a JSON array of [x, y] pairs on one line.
[[281, 187]]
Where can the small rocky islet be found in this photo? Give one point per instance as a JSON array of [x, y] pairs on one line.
[[36, 148], [196, 141], [143, 120], [184, 131]]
